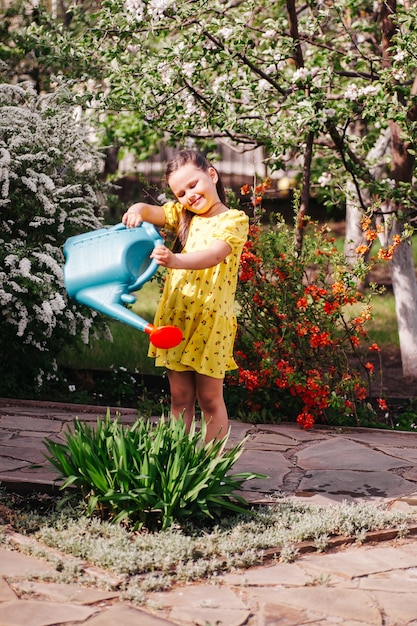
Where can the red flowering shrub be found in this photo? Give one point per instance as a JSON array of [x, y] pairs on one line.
[[297, 331]]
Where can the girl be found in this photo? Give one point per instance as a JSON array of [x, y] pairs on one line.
[[200, 286]]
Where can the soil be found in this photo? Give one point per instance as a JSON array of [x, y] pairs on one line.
[[391, 383]]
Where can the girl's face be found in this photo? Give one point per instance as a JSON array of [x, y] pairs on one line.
[[195, 188]]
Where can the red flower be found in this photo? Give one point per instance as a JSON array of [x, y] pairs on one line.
[[382, 404], [301, 303], [370, 367], [306, 420]]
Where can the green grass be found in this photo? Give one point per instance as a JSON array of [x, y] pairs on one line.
[[129, 347], [383, 329]]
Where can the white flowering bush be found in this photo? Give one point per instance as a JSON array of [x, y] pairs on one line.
[[49, 176]]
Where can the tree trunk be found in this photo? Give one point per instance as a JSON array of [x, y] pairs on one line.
[[404, 285], [403, 276]]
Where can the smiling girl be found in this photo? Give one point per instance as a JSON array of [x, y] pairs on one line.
[[200, 286]]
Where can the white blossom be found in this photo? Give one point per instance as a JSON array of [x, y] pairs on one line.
[[225, 33], [189, 143], [246, 96], [25, 267], [351, 92], [325, 179], [162, 198], [300, 74], [399, 56], [135, 8], [218, 83], [166, 73], [263, 85], [188, 69], [156, 8], [189, 105], [369, 90], [23, 320], [329, 113], [399, 74]]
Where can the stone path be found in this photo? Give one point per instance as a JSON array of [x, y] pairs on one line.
[[354, 586]]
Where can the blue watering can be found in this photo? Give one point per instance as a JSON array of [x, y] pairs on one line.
[[105, 266]]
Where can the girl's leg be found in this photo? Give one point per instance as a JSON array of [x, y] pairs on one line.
[[210, 398], [183, 395]]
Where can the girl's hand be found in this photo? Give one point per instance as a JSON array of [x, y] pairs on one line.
[[133, 217], [142, 212], [163, 256], [201, 259]]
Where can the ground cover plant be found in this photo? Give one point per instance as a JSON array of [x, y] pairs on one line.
[[149, 475], [139, 562]]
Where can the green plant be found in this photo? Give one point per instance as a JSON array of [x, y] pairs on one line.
[[149, 475]]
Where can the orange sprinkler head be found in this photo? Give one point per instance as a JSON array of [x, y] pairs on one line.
[[164, 337]]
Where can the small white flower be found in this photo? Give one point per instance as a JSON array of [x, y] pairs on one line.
[[246, 97], [189, 105], [162, 198], [72, 388], [25, 267], [325, 179], [156, 8], [166, 73], [329, 113], [135, 8], [399, 55], [225, 33], [399, 74], [351, 92], [370, 90], [300, 74], [188, 69], [388, 181], [263, 85]]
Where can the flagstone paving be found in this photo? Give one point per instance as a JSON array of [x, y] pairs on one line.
[[366, 585]]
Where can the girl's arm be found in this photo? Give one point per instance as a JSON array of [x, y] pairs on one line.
[[200, 260], [142, 212]]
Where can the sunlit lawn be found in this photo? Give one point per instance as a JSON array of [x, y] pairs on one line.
[[129, 346]]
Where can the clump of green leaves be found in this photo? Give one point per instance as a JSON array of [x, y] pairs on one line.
[[149, 475]]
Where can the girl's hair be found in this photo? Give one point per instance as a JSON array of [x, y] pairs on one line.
[[183, 157]]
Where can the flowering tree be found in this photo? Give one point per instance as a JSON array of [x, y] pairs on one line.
[[48, 182], [317, 84]]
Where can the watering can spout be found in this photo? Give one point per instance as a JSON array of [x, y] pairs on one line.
[[105, 266]]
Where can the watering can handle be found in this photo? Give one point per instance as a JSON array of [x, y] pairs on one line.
[[153, 266]]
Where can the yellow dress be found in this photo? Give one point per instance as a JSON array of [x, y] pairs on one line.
[[201, 302]]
